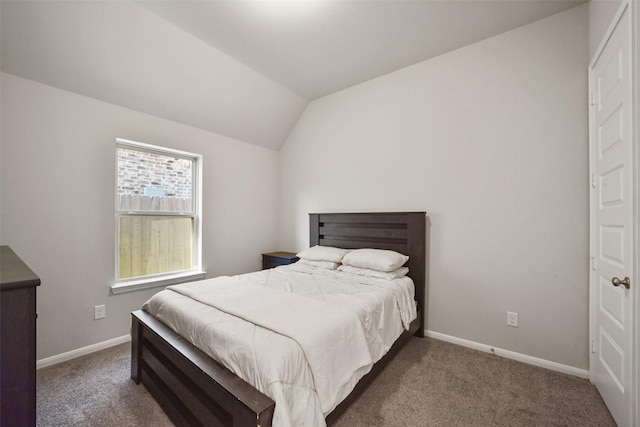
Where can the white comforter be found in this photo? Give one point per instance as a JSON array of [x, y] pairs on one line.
[[255, 338]]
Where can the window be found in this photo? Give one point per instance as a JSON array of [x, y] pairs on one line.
[[158, 218]]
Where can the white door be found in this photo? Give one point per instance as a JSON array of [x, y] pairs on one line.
[[612, 252]]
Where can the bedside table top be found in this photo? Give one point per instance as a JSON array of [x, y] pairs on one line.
[[281, 254]]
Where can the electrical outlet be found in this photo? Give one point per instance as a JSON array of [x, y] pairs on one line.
[[512, 319], [99, 311]]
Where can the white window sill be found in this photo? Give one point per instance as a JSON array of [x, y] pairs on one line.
[[152, 282]]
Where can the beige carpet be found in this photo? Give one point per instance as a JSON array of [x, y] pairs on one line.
[[429, 383], [434, 383]]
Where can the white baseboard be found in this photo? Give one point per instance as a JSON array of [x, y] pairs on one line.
[[558, 367], [43, 363]]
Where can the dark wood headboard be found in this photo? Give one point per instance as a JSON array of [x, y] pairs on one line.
[[403, 232]]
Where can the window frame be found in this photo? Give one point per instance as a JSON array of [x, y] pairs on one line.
[[173, 277]]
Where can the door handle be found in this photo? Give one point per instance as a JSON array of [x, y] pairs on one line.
[[624, 282]]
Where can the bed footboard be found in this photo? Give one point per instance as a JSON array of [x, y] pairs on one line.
[[172, 370]]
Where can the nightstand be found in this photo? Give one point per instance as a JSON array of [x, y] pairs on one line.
[[274, 259]]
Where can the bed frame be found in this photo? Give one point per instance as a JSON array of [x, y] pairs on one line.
[[195, 390]]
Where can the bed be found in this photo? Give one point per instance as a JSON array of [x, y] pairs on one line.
[[194, 389]]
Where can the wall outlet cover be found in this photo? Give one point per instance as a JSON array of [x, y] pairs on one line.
[[100, 311], [512, 319]]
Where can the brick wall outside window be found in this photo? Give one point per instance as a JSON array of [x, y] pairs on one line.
[[138, 170]]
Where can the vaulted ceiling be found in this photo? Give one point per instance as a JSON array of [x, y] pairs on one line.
[[243, 69], [318, 47]]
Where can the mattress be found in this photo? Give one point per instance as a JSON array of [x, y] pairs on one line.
[[273, 360]]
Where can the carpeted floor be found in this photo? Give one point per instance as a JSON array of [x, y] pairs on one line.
[[95, 390], [429, 383]]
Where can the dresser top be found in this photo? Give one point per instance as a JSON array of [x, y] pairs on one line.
[[14, 273]]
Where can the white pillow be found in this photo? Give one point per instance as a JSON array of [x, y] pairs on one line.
[[328, 265], [375, 259], [323, 253], [400, 272]]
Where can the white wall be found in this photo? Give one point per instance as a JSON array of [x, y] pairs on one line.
[[57, 204], [636, 107], [491, 140]]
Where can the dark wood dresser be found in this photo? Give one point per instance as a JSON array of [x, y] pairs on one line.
[[18, 341], [274, 259]]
